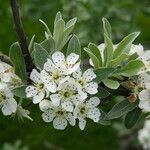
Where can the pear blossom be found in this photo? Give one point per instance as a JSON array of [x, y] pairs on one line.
[[85, 80], [87, 109], [59, 116], [144, 135], [68, 94], [144, 93], [8, 104], [68, 65], [37, 91]]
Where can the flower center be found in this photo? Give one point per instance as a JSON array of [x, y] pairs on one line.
[[40, 86], [56, 75], [2, 96], [67, 94], [81, 82], [60, 113]]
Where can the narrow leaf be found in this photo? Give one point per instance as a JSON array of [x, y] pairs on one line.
[[57, 17]]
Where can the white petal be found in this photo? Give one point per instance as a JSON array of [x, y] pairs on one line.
[[3, 86], [45, 77], [91, 88], [72, 58], [55, 98], [60, 123], [35, 76], [137, 49], [58, 58], [31, 91], [51, 86], [82, 123], [77, 74], [48, 115], [9, 107], [144, 95], [94, 114], [145, 105], [74, 68], [93, 102], [6, 77], [68, 106], [44, 105], [49, 66], [37, 98], [71, 119], [89, 75], [143, 79]]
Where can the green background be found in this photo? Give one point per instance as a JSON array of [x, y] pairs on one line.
[[125, 16]]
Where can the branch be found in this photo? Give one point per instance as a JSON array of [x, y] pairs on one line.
[[21, 35], [5, 59]]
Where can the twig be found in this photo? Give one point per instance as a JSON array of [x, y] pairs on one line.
[[5, 59], [21, 35]]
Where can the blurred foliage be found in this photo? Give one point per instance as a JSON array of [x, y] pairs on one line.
[[125, 16]]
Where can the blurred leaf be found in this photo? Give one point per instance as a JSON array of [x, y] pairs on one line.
[[103, 119], [31, 44], [120, 109], [17, 59], [40, 56], [57, 17], [102, 93], [132, 117]]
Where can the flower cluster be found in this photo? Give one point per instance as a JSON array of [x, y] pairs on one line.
[[8, 80], [144, 135], [62, 91]]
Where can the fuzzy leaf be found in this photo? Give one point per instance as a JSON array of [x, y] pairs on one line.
[[20, 91], [112, 84], [132, 117], [18, 61], [103, 73], [74, 46], [120, 109], [40, 56], [125, 44], [102, 93]]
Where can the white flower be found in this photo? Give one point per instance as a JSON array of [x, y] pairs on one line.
[[8, 104], [67, 95], [38, 90], [23, 113], [52, 75], [6, 72], [145, 58], [144, 94], [144, 135], [59, 116], [136, 49], [87, 109], [85, 80], [68, 65], [44, 105]]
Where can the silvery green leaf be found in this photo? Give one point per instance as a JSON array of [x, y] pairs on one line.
[[18, 61], [74, 46], [112, 84], [30, 47], [20, 91], [40, 56], [94, 49], [125, 44], [102, 93], [71, 23], [57, 17], [103, 119]]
